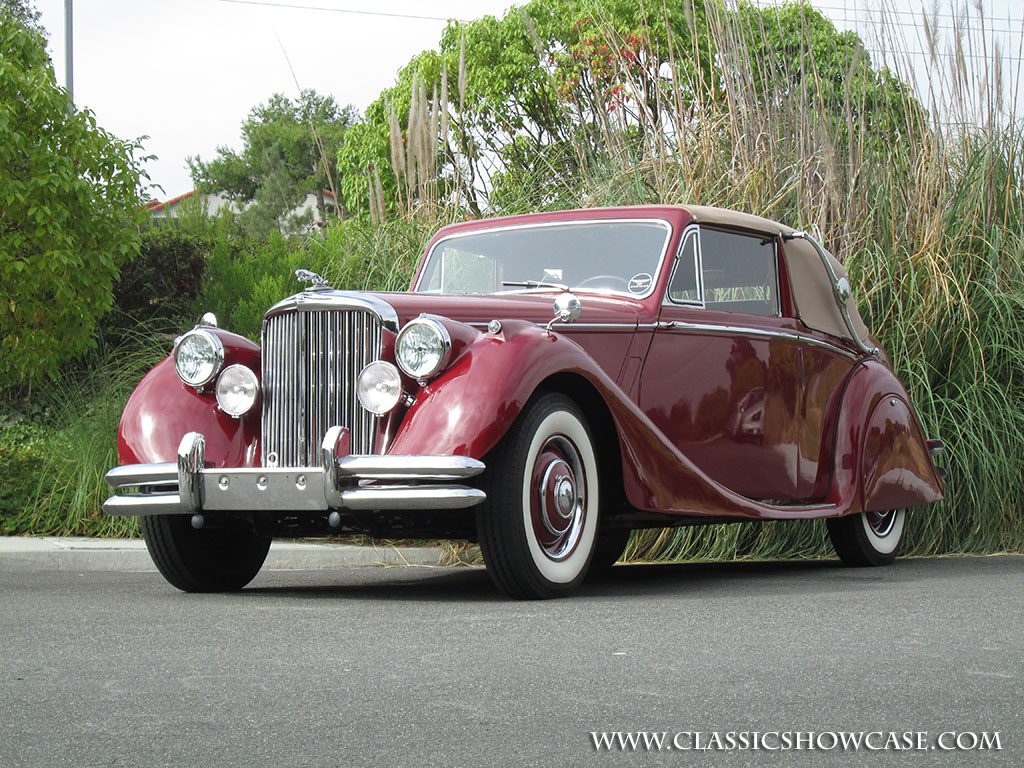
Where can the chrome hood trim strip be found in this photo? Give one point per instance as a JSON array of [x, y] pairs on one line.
[[330, 298]]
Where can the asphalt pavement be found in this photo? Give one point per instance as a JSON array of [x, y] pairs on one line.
[[425, 666]]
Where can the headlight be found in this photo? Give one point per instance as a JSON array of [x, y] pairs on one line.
[[423, 347], [237, 390], [379, 387], [198, 356]]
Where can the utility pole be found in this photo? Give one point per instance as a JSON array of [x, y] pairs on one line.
[[69, 57]]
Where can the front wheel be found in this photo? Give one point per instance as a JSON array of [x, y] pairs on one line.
[[870, 538], [539, 523], [204, 560]]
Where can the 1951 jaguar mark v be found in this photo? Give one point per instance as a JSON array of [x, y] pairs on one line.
[[550, 383]]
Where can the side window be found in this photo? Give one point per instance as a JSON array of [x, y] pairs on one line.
[[739, 273], [683, 287]]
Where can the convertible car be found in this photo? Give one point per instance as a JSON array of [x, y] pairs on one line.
[[550, 383]]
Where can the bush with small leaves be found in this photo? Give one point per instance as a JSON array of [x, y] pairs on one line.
[[69, 199]]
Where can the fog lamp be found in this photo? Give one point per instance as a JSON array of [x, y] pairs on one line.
[[237, 390], [379, 387]]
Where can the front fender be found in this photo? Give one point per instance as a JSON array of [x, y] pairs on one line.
[[469, 409], [163, 408]]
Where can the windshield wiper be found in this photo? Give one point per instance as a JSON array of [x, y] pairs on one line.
[[534, 284]]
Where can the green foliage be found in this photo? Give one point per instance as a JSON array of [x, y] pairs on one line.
[[54, 452], [288, 152], [25, 13], [21, 455], [69, 198], [165, 279], [527, 101], [245, 278], [363, 153]]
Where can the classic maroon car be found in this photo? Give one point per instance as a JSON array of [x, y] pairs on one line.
[[550, 383]]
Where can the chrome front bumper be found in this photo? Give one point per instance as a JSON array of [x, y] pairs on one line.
[[341, 481]]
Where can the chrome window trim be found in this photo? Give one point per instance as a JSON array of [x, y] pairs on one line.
[[692, 230], [698, 229], [330, 298], [681, 325], [563, 223]]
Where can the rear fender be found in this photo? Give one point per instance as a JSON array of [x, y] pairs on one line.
[[881, 459], [163, 408]]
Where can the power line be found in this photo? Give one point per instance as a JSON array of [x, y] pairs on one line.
[[339, 10], [895, 54], [880, 12], [890, 11]]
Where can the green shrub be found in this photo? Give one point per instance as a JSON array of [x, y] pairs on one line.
[[55, 450], [69, 197], [165, 279], [244, 278], [22, 454]]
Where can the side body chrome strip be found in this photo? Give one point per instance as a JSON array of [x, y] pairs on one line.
[[678, 325]]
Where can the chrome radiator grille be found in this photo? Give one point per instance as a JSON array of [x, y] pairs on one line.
[[310, 363]]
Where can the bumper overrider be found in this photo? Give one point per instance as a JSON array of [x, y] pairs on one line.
[[341, 482]]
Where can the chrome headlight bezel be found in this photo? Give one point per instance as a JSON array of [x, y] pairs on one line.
[[248, 378], [434, 332], [379, 387], [213, 355]]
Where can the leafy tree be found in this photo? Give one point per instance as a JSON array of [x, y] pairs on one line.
[[24, 12], [69, 202], [288, 152], [793, 52], [531, 104], [526, 98]]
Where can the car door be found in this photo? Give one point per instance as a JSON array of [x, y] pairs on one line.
[[722, 376]]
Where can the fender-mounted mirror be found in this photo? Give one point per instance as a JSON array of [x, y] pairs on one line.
[[567, 309]]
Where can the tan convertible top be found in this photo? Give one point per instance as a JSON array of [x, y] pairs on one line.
[[810, 281]]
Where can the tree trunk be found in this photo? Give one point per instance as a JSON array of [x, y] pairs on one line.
[[321, 207]]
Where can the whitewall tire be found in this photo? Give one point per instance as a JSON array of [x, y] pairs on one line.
[[870, 538], [539, 524]]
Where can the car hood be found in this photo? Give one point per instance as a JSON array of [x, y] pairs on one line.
[[534, 307]]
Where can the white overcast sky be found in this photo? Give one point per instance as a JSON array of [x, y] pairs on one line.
[[187, 72]]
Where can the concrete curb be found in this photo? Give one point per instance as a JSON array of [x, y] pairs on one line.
[[51, 553]]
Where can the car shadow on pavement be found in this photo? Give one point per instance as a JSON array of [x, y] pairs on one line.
[[683, 580]]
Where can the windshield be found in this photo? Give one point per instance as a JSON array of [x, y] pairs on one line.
[[609, 256]]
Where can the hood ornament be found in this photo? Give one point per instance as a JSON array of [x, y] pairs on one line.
[[305, 276]]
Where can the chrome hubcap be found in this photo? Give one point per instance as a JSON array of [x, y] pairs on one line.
[[881, 523], [558, 497]]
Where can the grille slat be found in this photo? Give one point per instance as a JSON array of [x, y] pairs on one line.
[[310, 363]]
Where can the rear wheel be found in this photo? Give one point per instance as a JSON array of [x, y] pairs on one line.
[[538, 526], [870, 538], [204, 560]]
